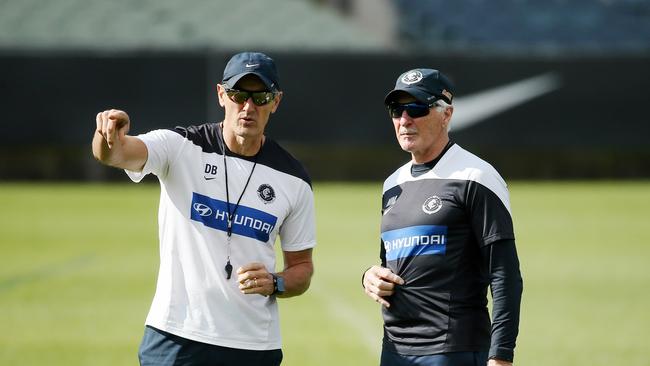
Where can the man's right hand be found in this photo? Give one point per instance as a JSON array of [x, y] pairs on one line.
[[111, 144], [113, 124], [379, 282]]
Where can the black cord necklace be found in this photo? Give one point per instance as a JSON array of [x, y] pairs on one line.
[[228, 266]]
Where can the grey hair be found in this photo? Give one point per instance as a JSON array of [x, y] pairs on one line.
[[441, 105]]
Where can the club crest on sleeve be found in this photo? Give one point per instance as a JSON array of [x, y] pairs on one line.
[[266, 193], [432, 205]]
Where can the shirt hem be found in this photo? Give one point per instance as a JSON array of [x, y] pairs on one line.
[[217, 341], [432, 350]]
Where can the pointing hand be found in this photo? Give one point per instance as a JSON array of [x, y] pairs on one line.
[[113, 124]]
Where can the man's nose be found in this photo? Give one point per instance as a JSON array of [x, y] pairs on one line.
[[405, 118], [248, 104]]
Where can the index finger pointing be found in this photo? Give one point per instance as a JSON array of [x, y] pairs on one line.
[[117, 115]]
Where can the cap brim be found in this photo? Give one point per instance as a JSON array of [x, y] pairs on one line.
[[419, 95], [269, 84]]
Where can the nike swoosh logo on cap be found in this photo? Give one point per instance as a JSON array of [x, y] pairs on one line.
[[252, 65], [477, 107]]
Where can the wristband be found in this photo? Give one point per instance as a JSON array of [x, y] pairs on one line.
[[278, 284]]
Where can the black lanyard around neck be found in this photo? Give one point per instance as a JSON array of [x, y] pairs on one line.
[[231, 215]]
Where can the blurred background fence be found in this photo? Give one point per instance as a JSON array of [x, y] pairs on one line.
[[544, 89]]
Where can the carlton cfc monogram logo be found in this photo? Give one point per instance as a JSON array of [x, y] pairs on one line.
[[412, 77], [432, 205], [266, 193]]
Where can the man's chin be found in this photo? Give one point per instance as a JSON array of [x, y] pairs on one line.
[[246, 124], [407, 145], [247, 131]]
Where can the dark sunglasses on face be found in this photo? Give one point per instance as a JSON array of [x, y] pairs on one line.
[[414, 110], [259, 98]]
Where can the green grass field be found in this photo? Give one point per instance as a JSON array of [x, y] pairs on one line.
[[78, 264]]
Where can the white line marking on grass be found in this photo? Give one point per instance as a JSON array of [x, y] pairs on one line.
[[370, 334]]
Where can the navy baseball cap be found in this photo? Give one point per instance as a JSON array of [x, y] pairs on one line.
[[425, 85], [247, 63]]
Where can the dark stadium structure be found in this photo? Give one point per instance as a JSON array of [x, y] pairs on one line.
[[554, 89]]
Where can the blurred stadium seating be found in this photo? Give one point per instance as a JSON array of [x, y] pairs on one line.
[[189, 25], [516, 26], [64, 60]]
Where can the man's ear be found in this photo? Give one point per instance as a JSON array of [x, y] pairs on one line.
[[448, 112], [221, 93]]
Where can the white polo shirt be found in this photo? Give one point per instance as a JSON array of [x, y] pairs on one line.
[[194, 299]]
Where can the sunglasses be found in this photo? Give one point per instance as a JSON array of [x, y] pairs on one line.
[[414, 110], [259, 98]]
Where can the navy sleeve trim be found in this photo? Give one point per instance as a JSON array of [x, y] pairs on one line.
[[208, 137], [276, 157]]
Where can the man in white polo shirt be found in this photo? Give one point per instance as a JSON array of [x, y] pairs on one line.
[[227, 191]]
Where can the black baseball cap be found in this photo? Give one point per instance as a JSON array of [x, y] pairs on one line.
[[246, 63], [425, 85]]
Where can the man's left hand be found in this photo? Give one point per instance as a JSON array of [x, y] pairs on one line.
[[254, 278], [494, 362]]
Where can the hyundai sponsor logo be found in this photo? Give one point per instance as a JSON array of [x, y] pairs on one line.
[[247, 221], [414, 241], [202, 209]]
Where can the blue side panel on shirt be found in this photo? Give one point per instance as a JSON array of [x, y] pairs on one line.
[[247, 221], [415, 240]]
